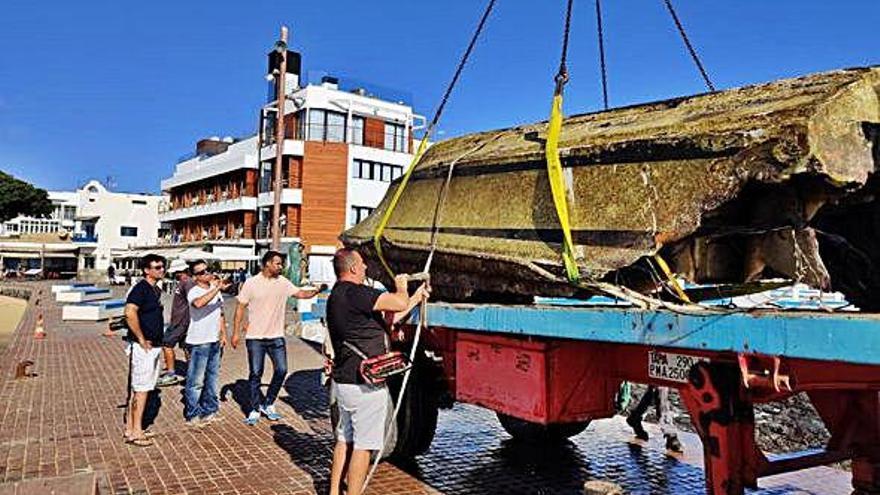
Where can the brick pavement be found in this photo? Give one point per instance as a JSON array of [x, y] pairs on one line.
[[66, 421]]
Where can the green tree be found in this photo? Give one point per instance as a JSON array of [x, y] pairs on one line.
[[18, 197]]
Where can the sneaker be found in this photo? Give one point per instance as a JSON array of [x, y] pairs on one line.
[[195, 422], [168, 379], [270, 412], [252, 418], [210, 418]]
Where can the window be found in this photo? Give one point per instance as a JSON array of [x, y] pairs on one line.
[[326, 126], [70, 212], [335, 127], [316, 125], [128, 231], [385, 172], [138, 202], [395, 137], [89, 262], [359, 213], [363, 169], [357, 130]]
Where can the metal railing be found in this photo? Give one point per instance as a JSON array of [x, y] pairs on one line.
[[340, 133]]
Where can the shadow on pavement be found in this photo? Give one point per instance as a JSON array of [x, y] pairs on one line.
[[306, 395], [311, 453], [240, 395]]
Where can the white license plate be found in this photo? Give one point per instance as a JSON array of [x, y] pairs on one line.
[[671, 367]]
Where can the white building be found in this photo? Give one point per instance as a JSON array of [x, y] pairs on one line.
[[111, 221], [62, 220], [342, 149]]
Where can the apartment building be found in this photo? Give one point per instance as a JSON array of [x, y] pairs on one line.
[[342, 147]]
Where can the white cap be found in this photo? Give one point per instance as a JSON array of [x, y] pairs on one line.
[[178, 265]]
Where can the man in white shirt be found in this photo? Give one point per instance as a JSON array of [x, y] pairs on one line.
[[206, 336]]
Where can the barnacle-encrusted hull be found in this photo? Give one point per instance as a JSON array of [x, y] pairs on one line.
[[725, 186]]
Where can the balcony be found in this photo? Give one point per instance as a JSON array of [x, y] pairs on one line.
[[197, 209], [85, 238]]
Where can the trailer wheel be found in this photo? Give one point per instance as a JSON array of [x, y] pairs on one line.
[[528, 431], [417, 419]]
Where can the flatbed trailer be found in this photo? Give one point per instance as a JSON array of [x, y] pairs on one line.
[[549, 370]]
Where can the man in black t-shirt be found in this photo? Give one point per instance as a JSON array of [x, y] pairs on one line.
[[354, 316], [143, 313]]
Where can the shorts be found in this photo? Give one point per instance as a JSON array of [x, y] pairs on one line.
[[174, 335], [144, 367], [363, 410]]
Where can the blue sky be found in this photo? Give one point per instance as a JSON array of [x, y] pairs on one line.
[[92, 89]]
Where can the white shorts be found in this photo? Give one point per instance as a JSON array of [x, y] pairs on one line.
[[363, 410], [144, 367]]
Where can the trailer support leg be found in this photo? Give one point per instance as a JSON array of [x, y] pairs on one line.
[[726, 425]]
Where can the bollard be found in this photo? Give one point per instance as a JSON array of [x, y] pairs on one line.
[[602, 488], [39, 331]]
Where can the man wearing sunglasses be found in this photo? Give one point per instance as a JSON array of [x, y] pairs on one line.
[[143, 313], [206, 336]]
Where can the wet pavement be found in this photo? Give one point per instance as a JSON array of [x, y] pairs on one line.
[[66, 421]]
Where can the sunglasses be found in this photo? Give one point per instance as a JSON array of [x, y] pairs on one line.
[[202, 272], [159, 267]]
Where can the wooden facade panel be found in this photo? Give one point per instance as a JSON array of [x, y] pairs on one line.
[[294, 220], [294, 166], [374, 132], [324, 180]]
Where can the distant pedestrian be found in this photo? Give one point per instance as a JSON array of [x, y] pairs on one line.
[[265, 298], [659, 398], [175, 333], [206, 337], [111, 274], [143, 313], [357, 328], [127, 277]]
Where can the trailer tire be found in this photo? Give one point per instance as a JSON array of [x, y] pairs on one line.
[[417, 419], [527, 431]]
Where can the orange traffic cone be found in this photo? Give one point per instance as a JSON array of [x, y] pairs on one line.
[[39, 331]]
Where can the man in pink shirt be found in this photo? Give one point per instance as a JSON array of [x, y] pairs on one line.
[[265, 297]]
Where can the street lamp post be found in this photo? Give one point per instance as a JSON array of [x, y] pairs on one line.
[[281, 47]]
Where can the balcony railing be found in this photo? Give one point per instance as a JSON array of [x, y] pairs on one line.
[[80, 237], [395, 140]]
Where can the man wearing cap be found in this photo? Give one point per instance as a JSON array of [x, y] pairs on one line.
[[175, 333]]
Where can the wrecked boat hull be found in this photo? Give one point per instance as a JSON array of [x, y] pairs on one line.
[[723, 185]]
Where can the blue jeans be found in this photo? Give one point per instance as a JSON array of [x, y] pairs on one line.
[[200, 392], [257, 350]]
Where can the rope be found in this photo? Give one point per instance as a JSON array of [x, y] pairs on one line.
[[562, 73], [687, 43], [602, 53], [386, 216]]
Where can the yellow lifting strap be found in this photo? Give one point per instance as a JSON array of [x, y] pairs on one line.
[[557, 186], [377, 238]]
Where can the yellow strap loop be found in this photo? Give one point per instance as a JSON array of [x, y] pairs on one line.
[[557, 186], [377, 237]]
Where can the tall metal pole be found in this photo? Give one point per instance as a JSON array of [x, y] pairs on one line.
[[279, 140]]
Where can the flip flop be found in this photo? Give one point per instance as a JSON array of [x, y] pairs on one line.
[[140, 442], [147, 434]]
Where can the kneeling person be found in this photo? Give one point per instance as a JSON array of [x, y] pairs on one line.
[[206, 337], [355, 319]]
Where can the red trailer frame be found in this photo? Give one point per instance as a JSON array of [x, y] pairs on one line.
[[551, 380]]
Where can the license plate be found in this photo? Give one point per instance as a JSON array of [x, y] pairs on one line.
[[671, 367]]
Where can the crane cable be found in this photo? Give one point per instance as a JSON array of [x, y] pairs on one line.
[[386, 216]]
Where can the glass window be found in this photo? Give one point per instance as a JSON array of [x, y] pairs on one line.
[[128, 231], [357, 130], [316, 125], [358, 213], [395, 137], [335, 127]]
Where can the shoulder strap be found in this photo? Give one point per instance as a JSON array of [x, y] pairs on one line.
[[354, 349]]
